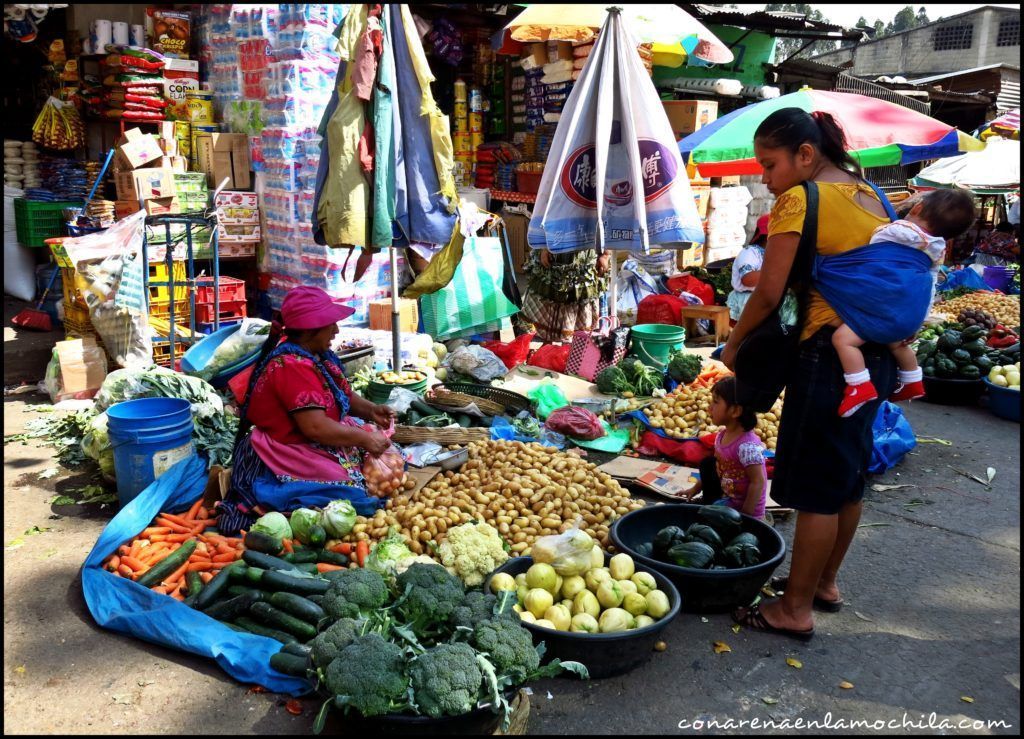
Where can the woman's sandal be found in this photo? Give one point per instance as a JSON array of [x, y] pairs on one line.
[[778, 584], [753, 619]]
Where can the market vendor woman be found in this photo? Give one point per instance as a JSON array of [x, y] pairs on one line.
[[300, 441]]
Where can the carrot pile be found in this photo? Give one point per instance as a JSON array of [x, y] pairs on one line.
[[167, 534], [711, 375]]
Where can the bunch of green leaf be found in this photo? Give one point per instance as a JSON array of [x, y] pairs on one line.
[[64, 432], [527, 425], [720, 280], [613, 381], [360, 380], [644, 379]]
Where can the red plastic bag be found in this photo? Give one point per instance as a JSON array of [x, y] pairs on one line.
[[690, 453], [661, 309], [690, 284], [551, 357], [512, 353], [576, 423]]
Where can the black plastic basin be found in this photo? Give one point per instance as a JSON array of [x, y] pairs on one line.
[[702, 591], [604, 655], [477, 721]]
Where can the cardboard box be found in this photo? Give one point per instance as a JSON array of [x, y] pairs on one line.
[[726, 181], [181, 76], [143, 184], [223, 155], [702, 197], [83, 365], [236, 199], [687, 116], [163, 206], [125, 208], [136, 149], [408, 315], [237, 234], [692, 257], [538, 52], [235, 216]]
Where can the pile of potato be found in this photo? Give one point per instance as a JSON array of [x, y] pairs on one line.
[[524, 490], [685, 413], [1004, 308]]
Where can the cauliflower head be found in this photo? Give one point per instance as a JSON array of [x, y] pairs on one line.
[[472, 551]]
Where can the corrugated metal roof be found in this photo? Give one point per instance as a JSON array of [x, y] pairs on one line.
[[771, 20], [937, 77]]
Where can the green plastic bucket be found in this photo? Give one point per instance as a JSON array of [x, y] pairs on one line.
[[653, 343], [379, 392]]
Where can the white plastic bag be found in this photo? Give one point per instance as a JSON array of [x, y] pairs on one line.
[[249, 337], [481, 364], [568, 552], [614, 176]]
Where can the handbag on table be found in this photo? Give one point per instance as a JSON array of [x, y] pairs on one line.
[[593, 351]]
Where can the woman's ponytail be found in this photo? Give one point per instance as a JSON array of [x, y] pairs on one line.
[[833, 144], [790, 128]]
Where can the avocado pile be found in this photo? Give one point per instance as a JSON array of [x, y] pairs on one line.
[[954, 352], [715, 542]]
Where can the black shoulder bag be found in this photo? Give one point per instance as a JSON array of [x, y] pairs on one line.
[[767, 355]]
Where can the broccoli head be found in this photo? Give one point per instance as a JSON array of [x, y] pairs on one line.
[[355, 593], [478, 606], [446, 680], [612, 381], [368, 675], [509, 645], [329, 643], [684, 368], [429, 596]]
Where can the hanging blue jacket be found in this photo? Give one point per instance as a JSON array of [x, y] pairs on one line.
[[882, 291]]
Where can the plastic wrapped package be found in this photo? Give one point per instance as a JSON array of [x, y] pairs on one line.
[[568, 553], [576, 423]]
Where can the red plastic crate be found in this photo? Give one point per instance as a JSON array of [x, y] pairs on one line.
[[230, 289], [229, 309]]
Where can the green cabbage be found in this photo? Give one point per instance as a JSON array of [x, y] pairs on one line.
[[388, 553], [338, 517], [302, 520], [273, 524]]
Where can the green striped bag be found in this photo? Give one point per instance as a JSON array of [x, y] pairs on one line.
[[473, 301]]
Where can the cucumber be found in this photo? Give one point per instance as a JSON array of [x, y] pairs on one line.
[[297, 606], [278, 619], [232, 608], [254, 575], [234, 590], [422, 408], [317, 598], [300, 585], [217, 585], [289, 664], [259, 542], [254, 627], [237, 572], [301, 556], [308, 567], [297, 650], [167, 566], [267, 562], [332, 558], [463, 420], [195, 583]]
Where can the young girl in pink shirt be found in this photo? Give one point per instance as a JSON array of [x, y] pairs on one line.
[[739, 463]]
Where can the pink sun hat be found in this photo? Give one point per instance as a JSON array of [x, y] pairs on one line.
[[308, 307]]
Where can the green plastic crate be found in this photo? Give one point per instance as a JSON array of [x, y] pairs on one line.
[[36, 222]]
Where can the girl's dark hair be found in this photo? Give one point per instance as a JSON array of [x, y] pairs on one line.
[[948, 213], [726, 390], [789, 128]]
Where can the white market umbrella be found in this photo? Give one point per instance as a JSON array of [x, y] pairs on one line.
[[994, 168]]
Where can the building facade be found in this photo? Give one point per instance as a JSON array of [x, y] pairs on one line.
[[985, 36]]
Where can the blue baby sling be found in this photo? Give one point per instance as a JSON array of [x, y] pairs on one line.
[[882, 291]]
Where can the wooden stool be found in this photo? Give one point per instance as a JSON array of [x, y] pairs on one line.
[[717, 313]]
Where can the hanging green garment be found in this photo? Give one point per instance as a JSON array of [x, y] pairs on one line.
[[441, 269], [383, 132], [343, 211], [440, 128]]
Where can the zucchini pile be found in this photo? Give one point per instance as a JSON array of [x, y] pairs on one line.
[[277, 597], [423, 415], [715, 542], [954, 351]]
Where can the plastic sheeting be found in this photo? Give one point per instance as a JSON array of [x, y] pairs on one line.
[[124, 606]]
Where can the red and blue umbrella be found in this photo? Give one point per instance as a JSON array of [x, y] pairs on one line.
[[878, 133]]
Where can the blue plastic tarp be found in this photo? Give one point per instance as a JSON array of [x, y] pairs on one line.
[[125, 606]]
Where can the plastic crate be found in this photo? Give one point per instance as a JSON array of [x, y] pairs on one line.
[[36, 222], [76, 313], [229, 288], [162, 309], [208, 328], [60, 254], [74, 286], [229, 309], [158, 273]]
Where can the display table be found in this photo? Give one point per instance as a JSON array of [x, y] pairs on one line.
[[717, 313]]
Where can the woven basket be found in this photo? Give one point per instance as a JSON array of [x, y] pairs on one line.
[[449, 399], [413, 434]]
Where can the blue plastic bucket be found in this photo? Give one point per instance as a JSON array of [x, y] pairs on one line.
[[149, 436]]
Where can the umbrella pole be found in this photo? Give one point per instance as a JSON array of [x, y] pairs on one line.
[[613, 290], [396, 320]]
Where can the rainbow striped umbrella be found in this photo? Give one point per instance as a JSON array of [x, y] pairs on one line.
[[879, 133]]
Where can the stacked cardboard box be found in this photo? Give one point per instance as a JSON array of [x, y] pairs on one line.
[[144, 169]]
